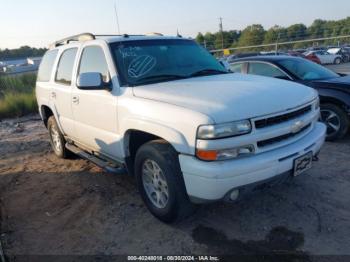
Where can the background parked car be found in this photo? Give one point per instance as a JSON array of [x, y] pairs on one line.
[[310, 55], [326, 58], [273, 53], [317, 48], [299, 50], [343, 52], [297, 54], [334, 89], [231, 58]]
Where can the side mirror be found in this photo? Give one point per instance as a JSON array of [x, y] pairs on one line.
[[92, 81]]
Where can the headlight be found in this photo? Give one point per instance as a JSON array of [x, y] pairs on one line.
[[224, 130], [225, 154]]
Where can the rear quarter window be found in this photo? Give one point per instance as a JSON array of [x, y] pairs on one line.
[[46, 66]]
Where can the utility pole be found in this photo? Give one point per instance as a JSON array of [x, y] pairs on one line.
[[278, 38], [221, 27]]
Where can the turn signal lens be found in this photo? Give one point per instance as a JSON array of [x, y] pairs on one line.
[[225, 154], [207, 155]]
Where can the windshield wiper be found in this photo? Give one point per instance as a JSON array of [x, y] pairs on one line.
[[205, 72], [160, 78]]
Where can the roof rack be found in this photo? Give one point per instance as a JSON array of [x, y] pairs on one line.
[[110, 35], [74, 38], [88, 36]]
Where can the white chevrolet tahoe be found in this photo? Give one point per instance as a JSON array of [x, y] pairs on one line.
[[166, 111]]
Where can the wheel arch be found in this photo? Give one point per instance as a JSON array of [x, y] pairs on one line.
[[142, 132], [336, 97], [46, 112]]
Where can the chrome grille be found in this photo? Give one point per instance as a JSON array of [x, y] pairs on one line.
[[267, 122], [279, 139]]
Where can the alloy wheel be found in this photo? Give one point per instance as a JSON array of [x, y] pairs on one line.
[[155, 184], [56, 140], [332, 121]]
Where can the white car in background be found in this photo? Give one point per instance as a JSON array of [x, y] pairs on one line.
[[326, 57]]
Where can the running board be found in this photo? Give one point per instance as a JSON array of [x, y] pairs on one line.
[[97, 161]]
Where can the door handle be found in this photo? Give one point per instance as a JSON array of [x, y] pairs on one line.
[[75, 100], [53, 95]]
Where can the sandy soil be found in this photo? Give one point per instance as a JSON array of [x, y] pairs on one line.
[[71, 207]]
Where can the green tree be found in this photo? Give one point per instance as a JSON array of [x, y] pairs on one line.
[[200, 39], [296, 32], [317, 29], [275, 34], [252, 35], [22, 52]]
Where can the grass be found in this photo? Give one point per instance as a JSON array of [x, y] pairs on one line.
[[17, 95]]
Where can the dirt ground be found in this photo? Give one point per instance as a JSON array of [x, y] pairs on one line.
[[71, 207]]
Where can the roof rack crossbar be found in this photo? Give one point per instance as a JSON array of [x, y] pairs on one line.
[[88, 36], [111, 35], [76, 38]]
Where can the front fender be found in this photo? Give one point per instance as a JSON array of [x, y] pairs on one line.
[[174, 137], [337, 95]]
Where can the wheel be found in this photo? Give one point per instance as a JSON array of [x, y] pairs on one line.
[[336, 120], [337, 61], [57, 141], [161, 183]]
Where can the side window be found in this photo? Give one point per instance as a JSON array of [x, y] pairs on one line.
[[46, 66], [263, 69], [237, 68], [65, 67], [93, 61]]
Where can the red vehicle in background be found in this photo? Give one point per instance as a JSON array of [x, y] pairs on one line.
[[312, 57]]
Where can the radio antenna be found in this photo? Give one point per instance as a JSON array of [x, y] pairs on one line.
[[116, 16]]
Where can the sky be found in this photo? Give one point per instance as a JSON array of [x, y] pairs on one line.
[[40, 22]]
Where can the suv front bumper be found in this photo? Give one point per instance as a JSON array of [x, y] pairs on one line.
[[212, 181]]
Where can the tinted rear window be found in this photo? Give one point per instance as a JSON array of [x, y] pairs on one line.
[[46, 66], [65, 67]]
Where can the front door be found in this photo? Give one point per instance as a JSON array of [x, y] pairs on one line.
[[95, 111]]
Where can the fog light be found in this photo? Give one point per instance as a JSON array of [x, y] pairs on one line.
[[234, 195]]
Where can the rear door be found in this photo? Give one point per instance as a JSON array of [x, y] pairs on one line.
[[61, 91], [95, 111], [329, 57], [324, 57]]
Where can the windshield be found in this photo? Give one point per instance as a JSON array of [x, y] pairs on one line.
[[307, 70], [153, 61]]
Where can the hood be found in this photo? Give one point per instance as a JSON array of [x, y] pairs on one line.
[[345, 80], [229, 97], [340, 83]]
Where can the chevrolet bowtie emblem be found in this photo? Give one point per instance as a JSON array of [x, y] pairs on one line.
[[297, 126]]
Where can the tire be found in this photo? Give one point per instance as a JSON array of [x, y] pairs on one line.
[[160, 182], [336, 119], [337, 61], [57, 141]]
